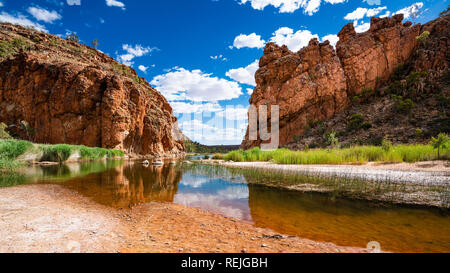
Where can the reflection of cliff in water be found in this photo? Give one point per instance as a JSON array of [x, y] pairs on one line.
[[349, 223], [129, 184]]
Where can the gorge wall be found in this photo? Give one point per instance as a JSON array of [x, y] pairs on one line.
[[318, 81], [55, 90]]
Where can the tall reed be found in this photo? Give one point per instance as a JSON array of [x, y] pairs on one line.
[[357, 154]]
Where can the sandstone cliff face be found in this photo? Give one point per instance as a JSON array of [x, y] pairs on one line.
[[371, 57], [68, 93], [318, 82]]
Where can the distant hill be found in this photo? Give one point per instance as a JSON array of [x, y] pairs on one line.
[[195, 147]]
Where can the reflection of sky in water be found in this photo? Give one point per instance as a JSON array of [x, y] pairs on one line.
[[215, 195]]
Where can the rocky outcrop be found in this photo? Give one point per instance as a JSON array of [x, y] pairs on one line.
[[318, 82], [58, 91], [308, 84], [371, 57]]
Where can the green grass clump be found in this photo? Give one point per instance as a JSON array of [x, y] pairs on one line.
[[115, 153], [62, 152], [3, 133], [11, 149], [9, 48], [92, 153], [56, 153], [358, 154]]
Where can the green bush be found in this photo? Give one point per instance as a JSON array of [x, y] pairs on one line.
[[56, 153], [11, 149], [423, 38], [440, 143], [332, 139], [356, 122], [73, 37], [396, 87], [386, 145], [405, 106], [218, 156], [3, 133], [9, 48]]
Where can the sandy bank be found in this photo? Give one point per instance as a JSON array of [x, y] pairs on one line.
[[56, 219]]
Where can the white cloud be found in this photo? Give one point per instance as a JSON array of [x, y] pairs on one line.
[[195, 108], [309, 6], [194, 181], [74, 2], [114, 3], [363, 27], [244, 75], [411, 10], [332, 38], [294, 41], [360, 13], [298, 40], [143, 68], [373, 2], [251, 41], [218, 57], [195, 85], [213, 133], [229, 202], [133, 52], [387, 14], [250, 91], [234, 113], [21, 20], [44, 15]]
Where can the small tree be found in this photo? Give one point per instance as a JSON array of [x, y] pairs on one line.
[[423, 38], [439, 143], [73, 37], [386, 144], [332, 139], [95, 43]]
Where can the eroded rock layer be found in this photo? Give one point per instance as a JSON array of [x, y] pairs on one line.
[[58, 91], [318, 81]]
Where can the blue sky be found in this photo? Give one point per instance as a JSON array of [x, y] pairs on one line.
[[201, 54]]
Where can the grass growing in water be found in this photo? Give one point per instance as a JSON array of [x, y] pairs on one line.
[[383, 189], [359, 154]]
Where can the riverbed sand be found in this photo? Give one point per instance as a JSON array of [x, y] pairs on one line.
[[51, 218]]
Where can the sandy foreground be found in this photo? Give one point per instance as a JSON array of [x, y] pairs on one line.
[[51, 218], [422, 173]]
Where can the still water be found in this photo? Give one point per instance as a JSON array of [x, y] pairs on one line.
[[313, 216]]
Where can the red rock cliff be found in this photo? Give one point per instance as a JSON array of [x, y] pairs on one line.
[[69, 93], [318, 81]]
